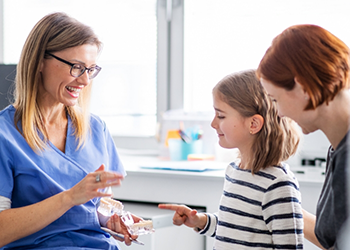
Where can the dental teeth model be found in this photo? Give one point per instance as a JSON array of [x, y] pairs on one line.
[[139, 228], [142, 227], [109, 206]]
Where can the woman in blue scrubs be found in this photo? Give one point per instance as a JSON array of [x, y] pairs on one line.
[[55, 158]]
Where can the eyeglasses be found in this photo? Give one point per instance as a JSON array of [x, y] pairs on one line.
[[77, 69]]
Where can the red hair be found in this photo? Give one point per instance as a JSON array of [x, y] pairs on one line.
[[315, 57]]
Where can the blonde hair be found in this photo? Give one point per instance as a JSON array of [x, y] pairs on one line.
[[54, 32], [278, 138]]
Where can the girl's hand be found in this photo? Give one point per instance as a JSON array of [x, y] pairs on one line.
[[185, 215], [88, 188]]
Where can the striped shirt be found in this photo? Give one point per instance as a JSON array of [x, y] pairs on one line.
[[260, 211]]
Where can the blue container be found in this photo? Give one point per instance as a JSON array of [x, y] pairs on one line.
[[179, 150]]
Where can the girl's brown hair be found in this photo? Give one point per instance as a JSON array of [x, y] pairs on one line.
[[278, 138], [54, 32], [316, 58]]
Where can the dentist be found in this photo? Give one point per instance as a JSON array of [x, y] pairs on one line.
[[55, 157]]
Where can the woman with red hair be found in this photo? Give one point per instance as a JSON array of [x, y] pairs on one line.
[[306, 72]]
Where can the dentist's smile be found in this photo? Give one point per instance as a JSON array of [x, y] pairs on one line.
[[73, 91]]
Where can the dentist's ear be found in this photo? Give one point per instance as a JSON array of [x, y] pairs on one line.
[[299, 87], [256, 123]]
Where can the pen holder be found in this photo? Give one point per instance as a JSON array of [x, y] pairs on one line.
[[179, 150]]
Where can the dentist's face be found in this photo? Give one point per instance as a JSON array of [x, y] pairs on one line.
[[58, 85]]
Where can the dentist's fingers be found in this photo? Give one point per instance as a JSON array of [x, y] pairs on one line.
[[92, 184]]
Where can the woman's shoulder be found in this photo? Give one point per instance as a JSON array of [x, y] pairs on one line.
[[8, 111], [97, 122], [8, 130], [7, 117], [342, 150]]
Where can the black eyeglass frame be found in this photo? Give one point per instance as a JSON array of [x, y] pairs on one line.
[[98, 68]]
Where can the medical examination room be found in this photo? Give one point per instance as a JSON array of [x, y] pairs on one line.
[[174, 124]]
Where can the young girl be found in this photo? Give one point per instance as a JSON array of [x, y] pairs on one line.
[[260, 206]]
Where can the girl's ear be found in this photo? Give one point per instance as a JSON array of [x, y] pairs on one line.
[[256, 123]]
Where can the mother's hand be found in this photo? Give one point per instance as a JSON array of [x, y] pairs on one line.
[[89, 188]]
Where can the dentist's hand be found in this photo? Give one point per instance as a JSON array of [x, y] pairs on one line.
[[117, 225], [88, 188]]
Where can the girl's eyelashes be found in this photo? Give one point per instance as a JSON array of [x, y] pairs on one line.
[[218, 114]]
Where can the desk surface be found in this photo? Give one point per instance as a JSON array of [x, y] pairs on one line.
[[142, 165]]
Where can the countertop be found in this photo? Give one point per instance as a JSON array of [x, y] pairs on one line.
[[142, 165]]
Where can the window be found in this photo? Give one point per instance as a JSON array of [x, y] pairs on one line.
[[222, 37]]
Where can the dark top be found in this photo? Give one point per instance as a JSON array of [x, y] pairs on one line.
[[332, 208]]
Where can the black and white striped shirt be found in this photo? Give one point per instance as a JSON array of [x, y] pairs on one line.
[[260, 211]]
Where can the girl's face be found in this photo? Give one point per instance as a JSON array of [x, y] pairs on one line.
[[58, 86], [231, 127], [292, 103]]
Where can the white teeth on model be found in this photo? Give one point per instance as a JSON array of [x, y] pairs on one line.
[[73, 89]]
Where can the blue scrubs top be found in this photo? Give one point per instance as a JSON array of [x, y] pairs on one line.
[[27, 177]]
